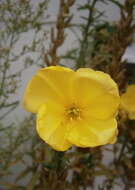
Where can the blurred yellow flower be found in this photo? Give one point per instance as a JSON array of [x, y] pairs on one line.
[[128, 101], [73, 108]]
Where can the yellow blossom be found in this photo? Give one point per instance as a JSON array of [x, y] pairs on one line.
[[73, 108], [128, 101]]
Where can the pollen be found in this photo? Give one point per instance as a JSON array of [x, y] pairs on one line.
[[73, 113]]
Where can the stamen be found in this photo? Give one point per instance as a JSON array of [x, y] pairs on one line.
[[73, 113]]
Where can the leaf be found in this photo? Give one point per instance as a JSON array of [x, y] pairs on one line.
[[84, 18], [4, 128], [84, 7]]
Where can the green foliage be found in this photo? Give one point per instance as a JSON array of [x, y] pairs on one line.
[[15, 20]]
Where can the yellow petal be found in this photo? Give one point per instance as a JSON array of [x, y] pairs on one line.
[[50, 83], [97, 91], [114, 138], [128, 100], [132, 115], [104, 107], [51, 126], [105, 130], [100, 77], [93, 133]]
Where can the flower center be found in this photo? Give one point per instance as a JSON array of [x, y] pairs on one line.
[[73, 113]]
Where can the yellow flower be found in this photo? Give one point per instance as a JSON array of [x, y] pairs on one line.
[[128, 101], [73, 108]]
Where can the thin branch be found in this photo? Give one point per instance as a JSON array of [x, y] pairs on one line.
[[85, 34], [58, 36]]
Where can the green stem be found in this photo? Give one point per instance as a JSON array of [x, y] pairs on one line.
[[85, 34]]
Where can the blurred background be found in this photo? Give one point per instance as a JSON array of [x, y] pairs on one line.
[[26, 31]]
